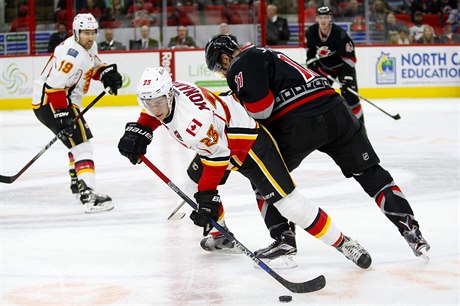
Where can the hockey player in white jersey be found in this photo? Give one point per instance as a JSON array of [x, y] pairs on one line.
[[222, 133], [57, 100]]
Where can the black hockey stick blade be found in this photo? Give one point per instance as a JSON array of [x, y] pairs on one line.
[[315, 284], [11, 179]]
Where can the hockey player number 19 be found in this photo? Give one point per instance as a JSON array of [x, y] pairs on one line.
[[65, 66]]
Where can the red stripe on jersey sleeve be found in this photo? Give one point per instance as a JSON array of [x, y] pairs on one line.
[[147, 120], [211, 177], [261, 105]]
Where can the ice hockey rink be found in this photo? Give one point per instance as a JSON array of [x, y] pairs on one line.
[[52, 253]]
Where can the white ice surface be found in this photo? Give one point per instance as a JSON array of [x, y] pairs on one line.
[[54, 254]]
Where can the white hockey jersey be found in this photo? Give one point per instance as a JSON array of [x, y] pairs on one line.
[[71, 68], [218, 128]]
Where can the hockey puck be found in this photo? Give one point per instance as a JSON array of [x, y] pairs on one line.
[[285, 298]]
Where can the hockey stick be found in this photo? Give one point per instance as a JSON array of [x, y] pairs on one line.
[[308, 286], [11, 179], [177, 216], [395, 117]]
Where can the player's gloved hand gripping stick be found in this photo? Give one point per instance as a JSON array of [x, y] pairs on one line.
[[308, 286], [11, 179]]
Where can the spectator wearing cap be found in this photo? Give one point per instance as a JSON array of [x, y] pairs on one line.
[[423, 6], [21, 23], [448, 37]]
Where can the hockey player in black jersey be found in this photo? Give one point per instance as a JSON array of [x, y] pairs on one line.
[[304, 114], [331, 51]]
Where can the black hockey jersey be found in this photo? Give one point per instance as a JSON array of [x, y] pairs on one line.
[[335, 51], [271, 85]]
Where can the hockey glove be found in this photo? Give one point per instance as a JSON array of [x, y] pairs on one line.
[[64, 120], [111, 78], [347, 82], [313, 64], [209, 206], [135, 141]]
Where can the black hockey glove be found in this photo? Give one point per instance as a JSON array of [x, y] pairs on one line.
[[313, 64], [135, 141], [64, 119], [111, 78], [208, 207], [347, 82]]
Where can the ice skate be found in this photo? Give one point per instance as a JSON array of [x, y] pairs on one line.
[[281, 252], [355, 252], [74, 183], [94, 202], [217, 242], [414, 238]]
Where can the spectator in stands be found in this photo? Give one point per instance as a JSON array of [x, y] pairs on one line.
[[277, 27], [91, 8], [21, 23], [428, 36], [223, 29], [145, 43], [391, 25], [404, 37], [182, 40], [109, 43], [58, 37], [444, 8], [310, 12], [142, 13], [416, 31], [353, 9], [454, 18], [377, 15], [448, 37], [393, 37], [423, 6], [114, 15]]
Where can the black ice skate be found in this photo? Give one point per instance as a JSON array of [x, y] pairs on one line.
[[217, 242], [414, 238], [283, 248], [74, 183], [355, 252], [94, 202], [283, 245]]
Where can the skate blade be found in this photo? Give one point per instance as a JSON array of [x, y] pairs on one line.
[[227, 251], [99, 211], [282, 262], [424, 254]]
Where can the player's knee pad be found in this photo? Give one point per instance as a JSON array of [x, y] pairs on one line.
[[195, 170], [82, 151], [373, 179]]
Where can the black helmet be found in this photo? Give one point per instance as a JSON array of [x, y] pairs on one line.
[[219, 44], [324, 10]]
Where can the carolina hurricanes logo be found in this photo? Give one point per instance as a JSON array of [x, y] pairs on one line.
[[323, 51]]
